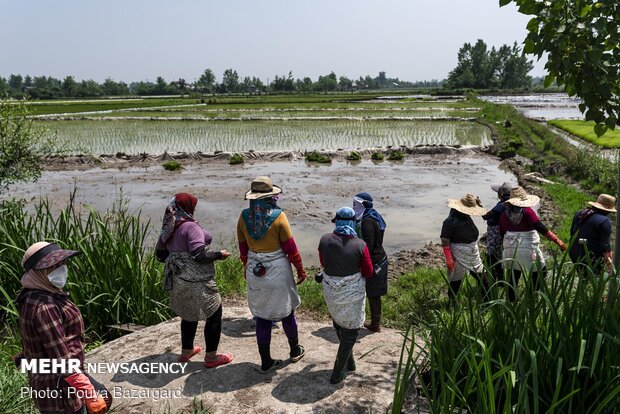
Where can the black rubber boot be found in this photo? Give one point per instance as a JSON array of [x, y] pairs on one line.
[[453, 290], [351, 361], [375, 314], [297, 351], [347, 341], [267, 363]]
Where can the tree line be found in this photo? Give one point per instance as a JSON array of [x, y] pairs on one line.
[[477, 68], [47, 87], [481, 68]]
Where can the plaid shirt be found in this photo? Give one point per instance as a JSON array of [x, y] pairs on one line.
[[51, 326]]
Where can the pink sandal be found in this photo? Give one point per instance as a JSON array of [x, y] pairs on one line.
[[187, 357], [220, 359]]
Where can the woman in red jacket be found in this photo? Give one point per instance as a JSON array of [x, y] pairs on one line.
[[520, 228]]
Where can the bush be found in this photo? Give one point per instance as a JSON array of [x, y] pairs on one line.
[[377, 156], [173, 165], [315, 156], [354, 156], [236, 159], [396, 156]]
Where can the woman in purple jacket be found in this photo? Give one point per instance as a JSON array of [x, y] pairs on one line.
[[190, 277]]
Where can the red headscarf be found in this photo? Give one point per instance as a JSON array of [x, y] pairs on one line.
[[180, 209]]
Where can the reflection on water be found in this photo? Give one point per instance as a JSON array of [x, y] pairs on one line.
[[542, 106], [410, 194]]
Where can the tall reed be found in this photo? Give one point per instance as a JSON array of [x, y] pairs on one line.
[[115, 280], [556, 350]]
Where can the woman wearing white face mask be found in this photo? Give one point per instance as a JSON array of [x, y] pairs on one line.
[[51, 327]]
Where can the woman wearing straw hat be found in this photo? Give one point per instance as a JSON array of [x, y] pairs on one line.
[[51, 327], [459, 238], [267, 250], [520, 226], [346, 266], [591, 234], [190, 277]]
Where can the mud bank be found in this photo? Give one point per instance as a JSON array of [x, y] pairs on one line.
[[411, 194]]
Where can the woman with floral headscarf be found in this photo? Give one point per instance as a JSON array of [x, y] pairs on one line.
[[190, 277], [267, 249], [346, 268]]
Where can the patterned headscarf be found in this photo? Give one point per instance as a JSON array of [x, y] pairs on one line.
[[514, 213], [345, 222], [180, 209], [259, 217]]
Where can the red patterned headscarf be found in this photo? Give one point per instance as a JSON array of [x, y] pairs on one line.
[[180, 209]]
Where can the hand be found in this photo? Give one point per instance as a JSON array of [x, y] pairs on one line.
[[225, 253], [450, 264], [301, 276], [96, 405], [561, 245]]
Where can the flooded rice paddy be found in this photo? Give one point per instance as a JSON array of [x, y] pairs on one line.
[[542, 106], [157, 137], [411, 194]]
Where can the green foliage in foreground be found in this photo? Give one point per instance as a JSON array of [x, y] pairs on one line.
[[555, 350], [585, 130], [173, 165]]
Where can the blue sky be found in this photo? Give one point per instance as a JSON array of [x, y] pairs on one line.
[[133, 40]]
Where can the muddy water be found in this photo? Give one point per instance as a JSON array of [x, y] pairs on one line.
[[411, 194], [542, 106]]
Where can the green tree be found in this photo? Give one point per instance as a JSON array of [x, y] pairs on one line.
[[582, 41], [345, 83], [206, 81], [69, 86], [230, 81], [22, 145]]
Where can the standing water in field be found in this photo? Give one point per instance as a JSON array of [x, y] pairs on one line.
[[410, 194]]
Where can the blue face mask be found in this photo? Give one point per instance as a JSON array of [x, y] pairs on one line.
[[58, 277]]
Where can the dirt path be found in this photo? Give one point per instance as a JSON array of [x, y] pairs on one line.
[[302, 387]]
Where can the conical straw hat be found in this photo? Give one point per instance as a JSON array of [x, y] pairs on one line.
[[467, 205]]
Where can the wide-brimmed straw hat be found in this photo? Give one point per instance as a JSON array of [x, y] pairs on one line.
[[467, 205], [262, 187], [42, 255], [605, 202], [520, 198]]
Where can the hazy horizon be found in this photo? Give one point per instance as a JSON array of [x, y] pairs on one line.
[[143, 39]]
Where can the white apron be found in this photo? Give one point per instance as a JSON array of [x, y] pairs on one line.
[[346, 299], [272, 296], [522, 250], [466, 258]]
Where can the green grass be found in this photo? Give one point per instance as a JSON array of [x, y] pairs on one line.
[[553, 351], [585, 130], [568, 199], [75, 105]]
